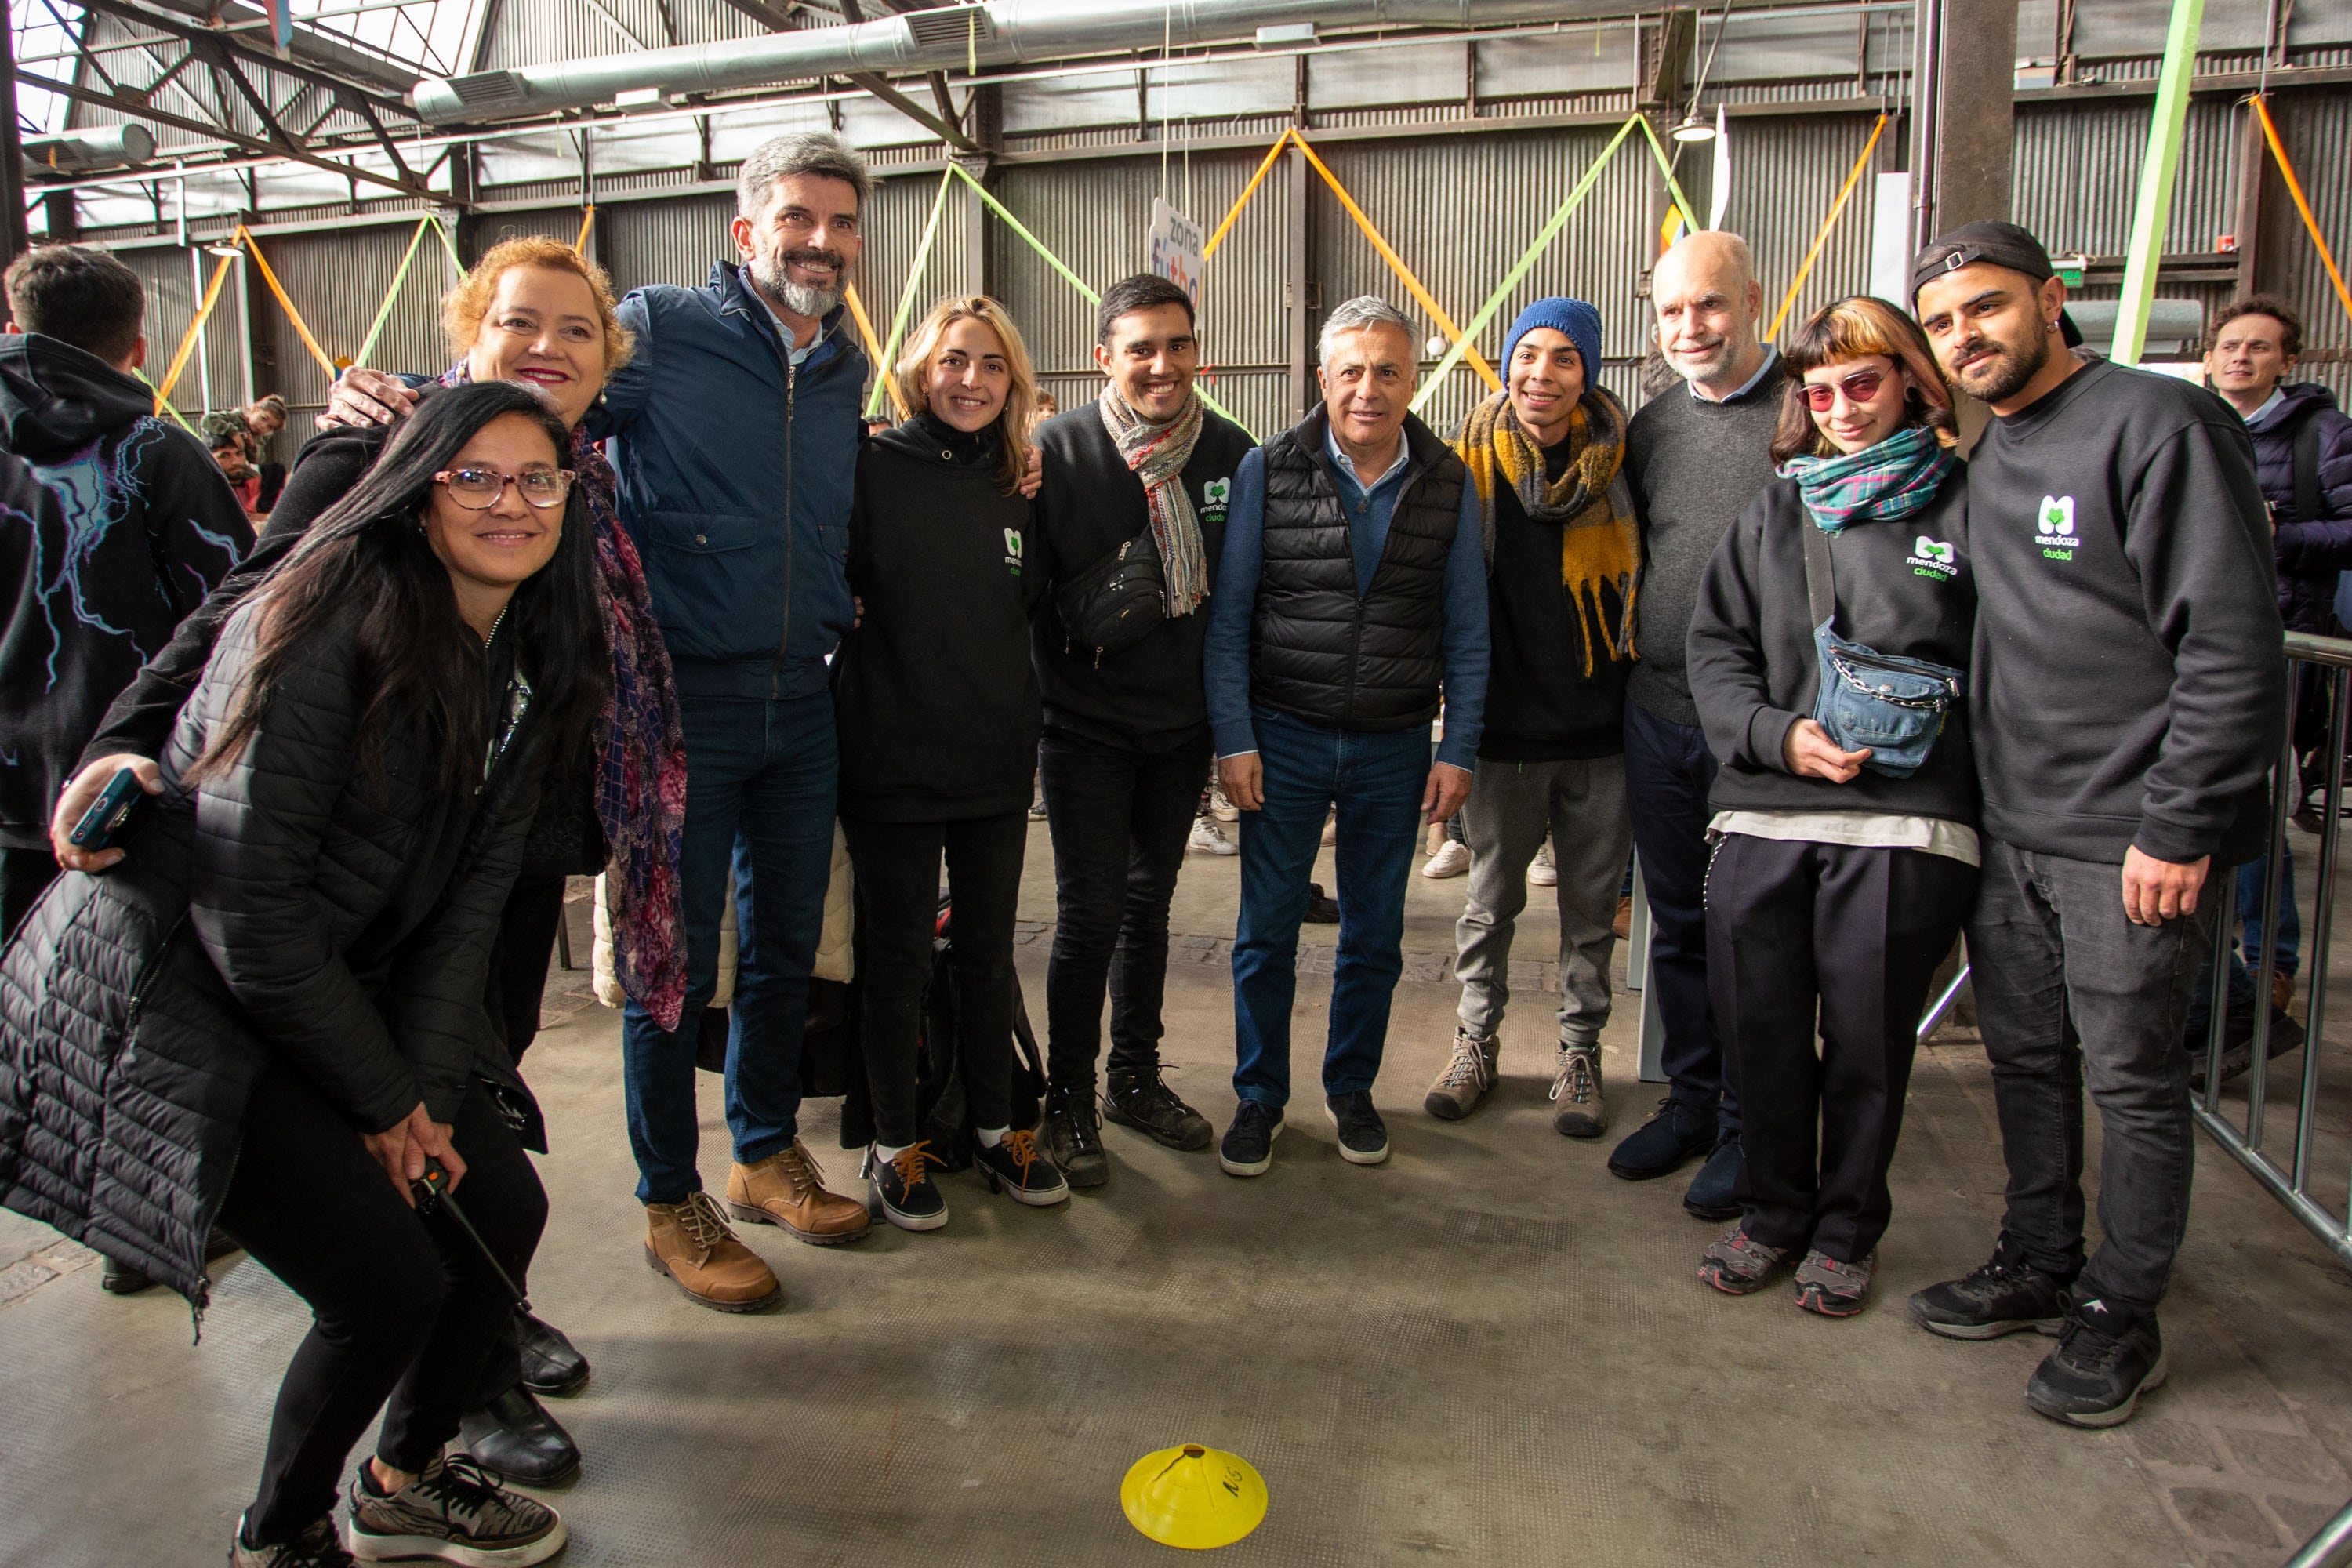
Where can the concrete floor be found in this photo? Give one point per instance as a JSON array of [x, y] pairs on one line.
[[1487, 1351]]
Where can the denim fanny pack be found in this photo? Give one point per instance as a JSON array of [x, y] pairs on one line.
[[1893, 706]]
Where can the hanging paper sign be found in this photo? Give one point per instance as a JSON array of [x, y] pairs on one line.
[[1173, 249]]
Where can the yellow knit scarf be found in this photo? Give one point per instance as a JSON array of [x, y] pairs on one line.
[[1600, 543]]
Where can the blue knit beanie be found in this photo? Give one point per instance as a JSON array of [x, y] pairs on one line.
[[1577, 319]]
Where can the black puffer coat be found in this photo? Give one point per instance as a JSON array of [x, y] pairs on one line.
[[2311, 550], [285, 907]]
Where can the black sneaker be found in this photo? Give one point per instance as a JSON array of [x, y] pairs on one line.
[[317, 1547], [1074, 1135], [1017, 1167], [2100, 1368], [901, 1189], [1714, 1192], [1141, 1100], [1675, 1135], [454, 1512], [2002, 1296], [1322, 909], [1363, 1136], [1248, 1148]]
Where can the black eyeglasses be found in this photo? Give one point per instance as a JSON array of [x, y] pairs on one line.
[[1860, 387], [478, 490]]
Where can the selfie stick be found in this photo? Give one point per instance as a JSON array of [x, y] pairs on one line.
[[434, 1190]]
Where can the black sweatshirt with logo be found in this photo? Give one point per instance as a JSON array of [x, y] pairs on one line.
[[1149, 697], [2130, 680], [933, 697], [1904, 589]]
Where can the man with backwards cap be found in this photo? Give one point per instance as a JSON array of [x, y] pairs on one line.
[[2128, 694], [1546, 456]]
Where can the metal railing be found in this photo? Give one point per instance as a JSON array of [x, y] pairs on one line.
[[2289, 1181]]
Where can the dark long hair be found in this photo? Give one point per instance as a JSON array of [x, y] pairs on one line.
[[1849, 329], [419, 664]]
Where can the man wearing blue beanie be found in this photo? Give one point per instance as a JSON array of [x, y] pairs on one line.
[[1547, 457]]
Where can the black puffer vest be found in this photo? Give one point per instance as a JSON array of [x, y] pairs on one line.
[[1320, 652]]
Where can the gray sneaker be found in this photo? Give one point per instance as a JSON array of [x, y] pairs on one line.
[[1469, 1074], [1736, 1263], [1583, 1106], [1831, 1288], [454, 1512], [316, 1547]]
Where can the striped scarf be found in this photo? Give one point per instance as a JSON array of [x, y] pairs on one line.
[[1890, 481], [1600, 543], [1157, 454], [640, 762]]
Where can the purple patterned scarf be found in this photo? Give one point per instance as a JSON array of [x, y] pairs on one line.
[[641, 759]]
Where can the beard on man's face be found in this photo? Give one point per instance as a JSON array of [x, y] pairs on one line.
[[1998, 370], [772, 270]]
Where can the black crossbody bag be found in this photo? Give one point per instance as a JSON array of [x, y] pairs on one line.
[[1114, 602]]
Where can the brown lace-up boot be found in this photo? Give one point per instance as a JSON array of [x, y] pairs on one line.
[[787, 1189], [691, 1244]]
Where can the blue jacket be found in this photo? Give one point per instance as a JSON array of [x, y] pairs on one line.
[[735, 475]]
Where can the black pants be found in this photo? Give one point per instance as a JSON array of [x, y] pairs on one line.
[[404, 1305], [519, 958], [1797, 929], [1120, 820], [25, 875], [898, 866], [1668, 773]]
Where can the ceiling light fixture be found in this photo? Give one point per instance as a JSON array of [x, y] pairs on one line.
[[1693, 128]]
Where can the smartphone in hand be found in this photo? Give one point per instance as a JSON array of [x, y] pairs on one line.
[[103, 823]]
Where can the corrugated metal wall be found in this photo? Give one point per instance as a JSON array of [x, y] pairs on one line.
[[338, 280], [214, 378], [2317, 132]]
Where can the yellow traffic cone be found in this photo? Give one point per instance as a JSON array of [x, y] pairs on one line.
[[1193, 1497]]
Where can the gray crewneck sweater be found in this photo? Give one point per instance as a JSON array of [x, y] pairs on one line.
[[1694, 467]]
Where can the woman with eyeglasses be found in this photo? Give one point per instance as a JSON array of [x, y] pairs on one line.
[[269, 1014], [532, 311], [1827, 658]]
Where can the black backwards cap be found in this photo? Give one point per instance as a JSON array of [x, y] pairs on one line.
[[1996, 243]]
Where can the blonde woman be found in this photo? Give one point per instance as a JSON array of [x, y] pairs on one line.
[[939, 717]]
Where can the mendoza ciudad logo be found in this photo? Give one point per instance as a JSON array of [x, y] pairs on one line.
[[1933, 559], [2055, 524]]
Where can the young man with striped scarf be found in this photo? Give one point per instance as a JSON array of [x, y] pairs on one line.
[[1126, 744]]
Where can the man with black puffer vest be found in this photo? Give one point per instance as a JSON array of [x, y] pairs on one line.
[[1145, 466], [2128, 698]]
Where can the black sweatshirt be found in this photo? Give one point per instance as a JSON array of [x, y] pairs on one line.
[[932, 691], [1903, 588], [143, 716], [1147, 698], [1693, 464], [1541, 707], [2132, 686], [122, 523]]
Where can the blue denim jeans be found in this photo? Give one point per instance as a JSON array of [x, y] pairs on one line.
[[758, 811], [1668, 773], [2288, 943], [1376, 782]]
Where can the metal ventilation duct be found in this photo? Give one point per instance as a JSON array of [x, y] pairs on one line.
[[86, 151], [1000, 32]]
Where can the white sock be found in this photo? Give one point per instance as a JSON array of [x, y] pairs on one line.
[[883, 1152], [990, 1137]]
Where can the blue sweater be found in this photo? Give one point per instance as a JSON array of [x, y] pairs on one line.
[[1232, 613]]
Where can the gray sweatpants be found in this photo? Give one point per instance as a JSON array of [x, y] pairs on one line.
[[1511, 807]]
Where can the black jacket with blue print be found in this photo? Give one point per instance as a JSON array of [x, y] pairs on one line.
[[2131, 685], [1904, 589], [1147, 698], [933, 696], [114, 524]]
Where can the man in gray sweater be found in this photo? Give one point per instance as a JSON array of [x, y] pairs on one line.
[[1696, 460]]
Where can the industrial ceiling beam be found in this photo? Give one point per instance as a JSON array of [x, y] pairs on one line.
[[140, 111], [217, 39], [778, 18]]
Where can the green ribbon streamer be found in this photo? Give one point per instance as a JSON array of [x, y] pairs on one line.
[[167, 406], [1524, 265], [1666, 167], [906, 296], [1075, 281], [383, 312]]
